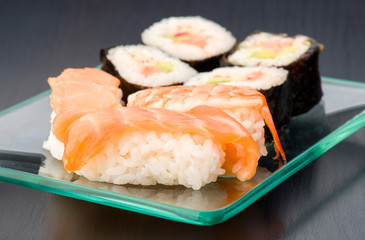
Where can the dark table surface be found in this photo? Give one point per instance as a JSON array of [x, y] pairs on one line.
[[38, 39]]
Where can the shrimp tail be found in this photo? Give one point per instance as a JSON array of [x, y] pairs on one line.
[[270, 123]]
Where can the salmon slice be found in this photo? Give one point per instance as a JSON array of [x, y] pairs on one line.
[[78, 91], [84, 89], [74, 96], [93, 132], [224, 97], [85, 75]]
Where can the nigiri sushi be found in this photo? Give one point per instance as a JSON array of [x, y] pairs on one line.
[[76, 92], [245, 104], [148, 146]]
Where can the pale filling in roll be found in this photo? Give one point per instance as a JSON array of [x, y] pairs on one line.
[[265, 49]]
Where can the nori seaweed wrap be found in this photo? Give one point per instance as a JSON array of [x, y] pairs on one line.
[[205, 65], [306, 89]]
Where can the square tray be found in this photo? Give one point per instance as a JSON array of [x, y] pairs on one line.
[[26, 125]]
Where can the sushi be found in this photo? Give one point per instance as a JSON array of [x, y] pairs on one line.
[[193, 39], [140, 67], [147, 146], [104, 141], [245, 104], [76, 92], [272, 82], [298, 54]]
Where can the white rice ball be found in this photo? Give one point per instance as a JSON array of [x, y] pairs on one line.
[[148, 158]]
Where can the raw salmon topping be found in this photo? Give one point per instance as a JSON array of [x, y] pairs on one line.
[[78, 91]]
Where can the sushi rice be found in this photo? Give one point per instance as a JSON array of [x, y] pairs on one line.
[[52, 144], [148, 158]]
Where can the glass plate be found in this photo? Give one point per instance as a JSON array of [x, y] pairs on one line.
[[25, 126]]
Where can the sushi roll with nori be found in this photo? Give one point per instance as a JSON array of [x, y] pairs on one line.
[[140, 67], [270, 81], [298, 54], [195, 40]]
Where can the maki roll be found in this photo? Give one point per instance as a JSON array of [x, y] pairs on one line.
[[195, 40], [140, 67], [270, 81], [298, 55]]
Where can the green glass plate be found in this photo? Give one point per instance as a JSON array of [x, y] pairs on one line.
[[25, 126]]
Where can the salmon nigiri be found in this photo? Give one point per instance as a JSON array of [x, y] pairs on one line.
[[148, 146], [76, 92], [245, 104]]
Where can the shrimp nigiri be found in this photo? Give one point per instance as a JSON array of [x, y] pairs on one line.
[[245, 104]]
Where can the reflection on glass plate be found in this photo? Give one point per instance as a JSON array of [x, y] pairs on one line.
[[24, 162], [213, 196]]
